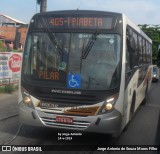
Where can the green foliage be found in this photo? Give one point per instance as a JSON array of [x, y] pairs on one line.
[[2, 89], [8, 88], [153, 31], [15, 50], [2, 48], [7, 49]]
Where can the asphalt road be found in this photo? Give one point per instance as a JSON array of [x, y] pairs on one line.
[[142, 130]]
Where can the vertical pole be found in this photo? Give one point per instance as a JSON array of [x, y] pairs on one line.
[[36, 6], [43, 6], [1, 21]]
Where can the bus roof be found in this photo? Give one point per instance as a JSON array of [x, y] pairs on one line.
[[134, 26], [80, 12], [92, 12]]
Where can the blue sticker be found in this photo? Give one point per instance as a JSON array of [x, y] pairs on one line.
[[74, 81]]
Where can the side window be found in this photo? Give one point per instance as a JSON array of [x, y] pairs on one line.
[[144, 51], [131, 49], [140, 50], [147, 52], [128, 54], [150, 55], [135, 49]]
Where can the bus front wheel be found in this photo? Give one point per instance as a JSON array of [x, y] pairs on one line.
[[145, 97], [132, 106]]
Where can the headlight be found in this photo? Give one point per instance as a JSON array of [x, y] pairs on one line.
[[108, 105], [26, 98]]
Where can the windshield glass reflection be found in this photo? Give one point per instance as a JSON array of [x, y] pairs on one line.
[[95, 58]]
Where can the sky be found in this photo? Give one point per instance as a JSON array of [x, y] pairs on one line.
[[139, 11]]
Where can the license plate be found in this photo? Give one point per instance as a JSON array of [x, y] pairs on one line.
[[66, 120]]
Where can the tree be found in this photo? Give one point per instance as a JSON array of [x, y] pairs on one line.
[[43, 5], [2, 47], [153, 31]]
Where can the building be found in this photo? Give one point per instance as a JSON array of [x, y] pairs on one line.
[[12, 31], [6, 20]]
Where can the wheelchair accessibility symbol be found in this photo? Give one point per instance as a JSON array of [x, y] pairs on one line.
[[74, 81]]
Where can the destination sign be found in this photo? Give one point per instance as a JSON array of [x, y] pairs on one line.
[[90, 22]]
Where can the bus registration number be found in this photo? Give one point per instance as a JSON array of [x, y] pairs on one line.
[[66, 120]]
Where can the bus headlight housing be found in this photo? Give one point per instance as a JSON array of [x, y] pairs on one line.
[[108, 105], [26, 98]]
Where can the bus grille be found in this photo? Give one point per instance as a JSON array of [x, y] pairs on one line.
[[71, 99], [76, 124], [76, 111]]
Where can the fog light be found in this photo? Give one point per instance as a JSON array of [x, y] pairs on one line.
[[27, 100], [109, 106]]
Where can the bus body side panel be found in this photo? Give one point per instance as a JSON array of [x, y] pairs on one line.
[[130, 92], [132, 89], [140, 93], [141, 90], [121, 105], [120, 102]]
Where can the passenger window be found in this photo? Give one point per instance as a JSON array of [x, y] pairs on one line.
[[140, 50], [131, 49], [144, 51], [135, 49]]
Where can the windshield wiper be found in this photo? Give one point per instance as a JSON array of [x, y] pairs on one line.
[[51, 36], [89, 45]]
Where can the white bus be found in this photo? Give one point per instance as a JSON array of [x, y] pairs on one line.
[[84, 70]]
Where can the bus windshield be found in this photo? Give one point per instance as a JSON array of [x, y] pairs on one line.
[[87, 61]]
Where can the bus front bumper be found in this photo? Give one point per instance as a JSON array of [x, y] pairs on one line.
[[109, 123]]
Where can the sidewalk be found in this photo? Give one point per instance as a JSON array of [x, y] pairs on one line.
[[8, 105], [3, 96]]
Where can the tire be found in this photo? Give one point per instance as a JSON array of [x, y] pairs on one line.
[[145, 98], [131, 111], [132, 106]]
